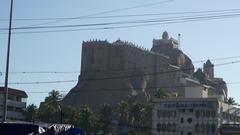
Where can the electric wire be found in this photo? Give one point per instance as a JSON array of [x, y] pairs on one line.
[[125, 69], [110, 11], [149, 74], [127, 15], [88, 90], [140, 23], [116, 77], [169, 19]]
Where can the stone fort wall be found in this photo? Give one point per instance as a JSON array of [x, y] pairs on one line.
[[111, 72], [124, 58]]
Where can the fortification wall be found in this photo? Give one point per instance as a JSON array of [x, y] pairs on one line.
[[111, 72]]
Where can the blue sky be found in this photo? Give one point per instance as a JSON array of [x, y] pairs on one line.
[[62, 51]]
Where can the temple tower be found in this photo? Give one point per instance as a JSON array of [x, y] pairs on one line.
[[208, 69]]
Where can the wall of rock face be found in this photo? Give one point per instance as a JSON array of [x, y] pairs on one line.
[[111, 72]]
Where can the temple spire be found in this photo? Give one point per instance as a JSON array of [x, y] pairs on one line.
[[165, 35]]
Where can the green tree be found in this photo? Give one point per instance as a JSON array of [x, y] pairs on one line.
[[88, 120], [140, 117], [83, 118], [31, 113], [50, 109], [160, 93], [71, 115], [231, 101], [123, 112], [105, 119]]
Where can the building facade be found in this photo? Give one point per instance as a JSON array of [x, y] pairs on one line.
[[192, 116], [16, 103]]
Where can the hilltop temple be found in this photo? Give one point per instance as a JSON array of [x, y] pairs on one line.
[[112, 72]]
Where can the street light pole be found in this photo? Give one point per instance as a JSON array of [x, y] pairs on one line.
[[7, 65]]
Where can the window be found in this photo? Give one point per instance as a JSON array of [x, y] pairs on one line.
[[197, 128], [174, 114], [10, 108], [207, 127], [202, 128], [168, 127], [174, 127], [164, 114], [224, 115], [213, 113], [190, 110], [203, 113], [182, 120], [159, 127], [12, 97], [18, 98], [207, 113], [159, 113], [213, 128], [169, 114], [189, 120], [163, 127]]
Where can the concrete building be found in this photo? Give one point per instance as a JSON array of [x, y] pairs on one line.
[[16, 103], [201, 115]]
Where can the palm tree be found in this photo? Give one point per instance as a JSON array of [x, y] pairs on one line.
[[87, 120], [83, 118], [31, 113], [50, 109], [231, 101], [140, 115], [72, 115], [160, 93], [123, 112], [105, 118]]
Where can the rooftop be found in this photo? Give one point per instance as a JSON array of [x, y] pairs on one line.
[[185, 99], [15, 92]]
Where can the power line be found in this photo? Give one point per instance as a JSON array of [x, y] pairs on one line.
[[110, 11], [218, 59], [137, 88], [227, 63], [140, 23], [126, 69], [148, 74], [126, 15], [42, 82], [181, 18], [44, 72], [116, 77]]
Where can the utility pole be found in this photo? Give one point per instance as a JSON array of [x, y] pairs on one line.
[[7, 64]]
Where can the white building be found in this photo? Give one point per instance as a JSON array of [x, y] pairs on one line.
[[16, 104], [194, 114]]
